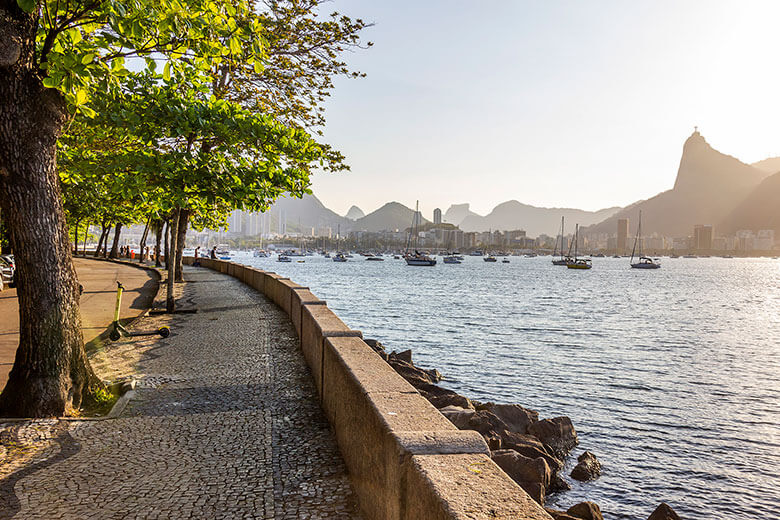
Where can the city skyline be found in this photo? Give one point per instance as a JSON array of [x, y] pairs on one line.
[[522, 108]]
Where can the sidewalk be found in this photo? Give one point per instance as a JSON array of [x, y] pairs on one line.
[[225, 424], [97, 303]]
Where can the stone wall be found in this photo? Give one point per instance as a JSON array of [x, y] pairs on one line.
[[406, 460]]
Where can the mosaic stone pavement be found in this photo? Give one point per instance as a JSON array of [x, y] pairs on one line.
[[224, 424]]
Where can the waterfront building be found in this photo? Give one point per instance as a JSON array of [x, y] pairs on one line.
[[437, 216], [516, 236], [622, 236], [702, 237], [765, 240]]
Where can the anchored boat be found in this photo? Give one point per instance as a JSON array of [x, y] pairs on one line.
[[645, 262]]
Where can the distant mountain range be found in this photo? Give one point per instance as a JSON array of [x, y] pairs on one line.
[[709, 188], [515, 215]]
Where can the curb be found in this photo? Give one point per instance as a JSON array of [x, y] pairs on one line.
[[97, 342]]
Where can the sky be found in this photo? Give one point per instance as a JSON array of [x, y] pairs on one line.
[[552, 103]]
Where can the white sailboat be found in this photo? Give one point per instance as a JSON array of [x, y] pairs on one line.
[[416, 258], [578, 263], [563, 260], [645, 262]]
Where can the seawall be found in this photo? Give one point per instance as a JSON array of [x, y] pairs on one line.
[[405, 459]]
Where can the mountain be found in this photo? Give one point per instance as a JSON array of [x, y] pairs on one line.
[[771, 165], [355, 213], [392, 215], [535, 221], [457, 213], [759, 210], [709, 186], [306, 213]]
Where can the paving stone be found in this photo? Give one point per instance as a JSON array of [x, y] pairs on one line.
[[225, 424]]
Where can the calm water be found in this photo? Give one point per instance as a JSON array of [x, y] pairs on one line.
[[669, 376]]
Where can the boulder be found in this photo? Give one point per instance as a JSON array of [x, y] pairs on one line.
[[587, 468], [458, 416], [516, 417], [441, 397], [486, 423], [415, 375], [377, 347], [663, 512], [559, 515], [558, 433], [529, 446], [585, 511], [533, 475], [405, 355], [558, 483]]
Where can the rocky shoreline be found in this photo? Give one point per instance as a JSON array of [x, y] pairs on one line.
[[532, 451]]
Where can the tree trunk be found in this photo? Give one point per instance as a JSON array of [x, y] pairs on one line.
[[76, 239], [51, 374], [143, 240], [115, 244], [103, 236], [170, 303], [84, 245], [184, 218], [167, 242], [157, 243]]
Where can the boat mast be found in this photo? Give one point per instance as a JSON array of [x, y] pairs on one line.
[[636, 238], [556, 242], [411, 229], [576, 236]]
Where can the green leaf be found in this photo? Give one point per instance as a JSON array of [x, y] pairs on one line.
[[167, 71], [87, 58], [49, 82], [28, 6], [81, 97]]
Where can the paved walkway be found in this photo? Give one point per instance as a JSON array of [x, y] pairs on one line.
[[225, 424], [97, 303]]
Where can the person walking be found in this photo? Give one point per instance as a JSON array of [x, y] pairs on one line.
[[214, 253], [196, 263]]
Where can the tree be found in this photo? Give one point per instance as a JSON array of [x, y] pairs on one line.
[[53, 57], [201, 156]]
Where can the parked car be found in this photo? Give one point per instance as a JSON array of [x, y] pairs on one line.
[[7, 274]]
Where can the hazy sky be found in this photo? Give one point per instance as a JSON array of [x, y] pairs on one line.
[[553, 103]]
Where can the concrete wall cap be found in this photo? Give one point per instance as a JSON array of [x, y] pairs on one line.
[[441, 442], [342, 334]]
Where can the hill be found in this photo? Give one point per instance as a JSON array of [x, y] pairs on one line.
[[759, 210], [709, 186], [391, 216], [771, 165], [457, 213], [307, 213], [534, 220], [355, 213]]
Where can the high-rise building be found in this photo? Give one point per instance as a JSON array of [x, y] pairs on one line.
[[622, 235], [437, 216], [702, 237]]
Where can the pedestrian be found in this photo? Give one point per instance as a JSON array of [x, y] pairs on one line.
[[196, 263], [214, 253]]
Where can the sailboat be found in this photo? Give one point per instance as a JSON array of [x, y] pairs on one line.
[[645, 262], [417, 258], [563, 260], [339, 256], [578, 263]]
